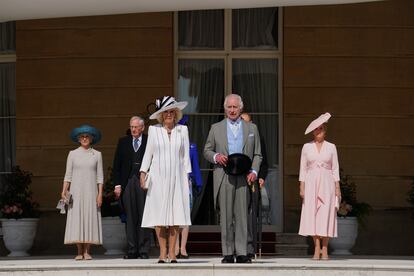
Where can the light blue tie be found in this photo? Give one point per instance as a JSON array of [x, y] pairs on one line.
[[136, 145]]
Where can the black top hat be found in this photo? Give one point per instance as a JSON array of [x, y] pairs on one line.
[[238, 164]]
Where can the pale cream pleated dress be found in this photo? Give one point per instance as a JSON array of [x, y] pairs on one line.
[[84, 171]]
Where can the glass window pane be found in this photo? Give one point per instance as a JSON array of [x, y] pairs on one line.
[[8, 37], [256, 81], [255, 29], [198, 127], [7, 118], [268, 126], [201, 30], [201, 83], [203, 211]]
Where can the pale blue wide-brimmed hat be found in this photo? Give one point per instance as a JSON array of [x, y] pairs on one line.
[[94, 132]]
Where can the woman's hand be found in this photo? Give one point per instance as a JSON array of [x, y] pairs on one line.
[[142, 179], [63, 195], [302, 190], [99, 200], [338, 192]]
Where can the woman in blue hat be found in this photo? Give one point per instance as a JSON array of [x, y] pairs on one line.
[[84, 181]]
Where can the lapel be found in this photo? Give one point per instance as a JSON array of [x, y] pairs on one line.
[[143, 142], [129, 148], [224, 135], [245, 132], [141, 148]]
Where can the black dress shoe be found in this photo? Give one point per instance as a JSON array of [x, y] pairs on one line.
[[131, 256], [243, 259], [144, 256], [251, 255], [228, 259], [182, 256]]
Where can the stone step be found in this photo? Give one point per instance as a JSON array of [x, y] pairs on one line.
[[291, 249], [291, 238], [273, 244], [208, 266]]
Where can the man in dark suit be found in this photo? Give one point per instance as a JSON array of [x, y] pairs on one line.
[[127, 162]]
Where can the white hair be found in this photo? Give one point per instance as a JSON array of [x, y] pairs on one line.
[[140, 120], [236, 96]]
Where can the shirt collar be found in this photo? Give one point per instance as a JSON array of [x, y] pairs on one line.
[[237, 122]]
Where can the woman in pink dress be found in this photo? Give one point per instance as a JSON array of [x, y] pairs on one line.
[[319, 188]]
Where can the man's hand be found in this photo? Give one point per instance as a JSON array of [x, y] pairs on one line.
[[117, 191], [221, 159], [261, 182], [251, 177]]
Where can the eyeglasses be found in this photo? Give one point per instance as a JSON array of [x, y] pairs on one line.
[[84, 137]]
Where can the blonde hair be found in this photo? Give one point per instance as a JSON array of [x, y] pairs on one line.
[[177, 117]]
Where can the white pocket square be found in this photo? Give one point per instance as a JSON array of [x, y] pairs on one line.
[[251, 134]]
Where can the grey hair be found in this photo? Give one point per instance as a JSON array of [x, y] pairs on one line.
[[177, 117], [133, 118], [234, 96]]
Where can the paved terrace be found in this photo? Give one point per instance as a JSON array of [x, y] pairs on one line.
[[207, 266]]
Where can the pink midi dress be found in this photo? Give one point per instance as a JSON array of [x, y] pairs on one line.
[[319, 171]]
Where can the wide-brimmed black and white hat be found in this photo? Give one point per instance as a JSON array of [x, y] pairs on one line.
[[166, 103]]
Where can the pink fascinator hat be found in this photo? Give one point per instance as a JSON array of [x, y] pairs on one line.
[[317, 122]]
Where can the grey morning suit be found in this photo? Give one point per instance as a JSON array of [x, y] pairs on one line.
[[230, 192]]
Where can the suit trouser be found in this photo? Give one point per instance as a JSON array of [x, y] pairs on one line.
[[133, 201], [233, 201]]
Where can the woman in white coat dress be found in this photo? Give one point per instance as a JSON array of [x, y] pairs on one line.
[[167, 163]]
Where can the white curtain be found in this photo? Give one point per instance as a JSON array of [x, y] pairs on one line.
[[255, 80], [201, 30], [254, 28], [201, 83]]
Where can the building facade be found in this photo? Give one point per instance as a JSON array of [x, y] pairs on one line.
[[355, 61]]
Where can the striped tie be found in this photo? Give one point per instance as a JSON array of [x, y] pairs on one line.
[[136, 145]]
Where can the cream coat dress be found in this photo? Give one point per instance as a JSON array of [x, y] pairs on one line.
[[84, 171], [167, 161]]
